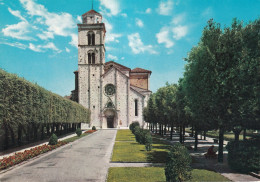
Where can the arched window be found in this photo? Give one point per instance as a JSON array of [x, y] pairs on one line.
[[93, 58], [91, 38], [89, 58], [136, 107]]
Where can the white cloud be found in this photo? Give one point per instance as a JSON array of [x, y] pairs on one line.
[[178, 19], [43, 48], [137, 46], [79, 19], [62, 24], [139, 22], [15, 44], [165, 7], [112, 5], [67, 49], [179, 32], [148, 10], [45, 35], [20, 31], [110, 37], [74, 40], [111, 57], [17, 14], [122, 58], [163, 37]]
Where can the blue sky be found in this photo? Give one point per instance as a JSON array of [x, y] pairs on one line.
[[38, 38]]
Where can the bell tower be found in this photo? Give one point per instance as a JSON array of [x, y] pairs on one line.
[[91, 59]]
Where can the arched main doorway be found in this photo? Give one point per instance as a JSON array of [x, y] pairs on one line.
[[110, 116]]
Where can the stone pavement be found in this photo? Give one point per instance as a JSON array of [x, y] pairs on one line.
[[86, 159]]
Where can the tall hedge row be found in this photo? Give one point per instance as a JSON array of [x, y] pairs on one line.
[[29, 112]]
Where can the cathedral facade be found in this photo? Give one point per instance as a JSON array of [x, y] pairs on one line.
[[115, 94]]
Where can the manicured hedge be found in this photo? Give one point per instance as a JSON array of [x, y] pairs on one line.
[[244, 156], [29, 112]]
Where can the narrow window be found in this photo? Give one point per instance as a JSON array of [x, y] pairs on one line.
[[89, 58], [136, 107], [93, 58], [93, 39], [89, 39]]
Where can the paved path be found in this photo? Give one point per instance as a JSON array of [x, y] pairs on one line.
[[86, 159]]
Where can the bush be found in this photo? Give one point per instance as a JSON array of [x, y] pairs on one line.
[[53, 139], [133, 125], [244, 156], [94, 128], [178, 164], [137, 132], [78, 132], [148, 141]]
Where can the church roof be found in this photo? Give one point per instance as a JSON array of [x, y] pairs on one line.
[[139, 89], [92, 12], [117, 65], [111, 68], [140, 70], [134, 89]]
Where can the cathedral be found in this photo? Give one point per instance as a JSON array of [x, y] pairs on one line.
[[115, 94]]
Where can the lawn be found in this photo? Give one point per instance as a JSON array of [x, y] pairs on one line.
[[127, 150], [125, 135], [156, 174]]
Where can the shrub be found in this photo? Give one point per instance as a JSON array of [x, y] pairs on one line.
[[78, 132], [53, 139], [148, 141], [94, 128], [133, 125], [244, 156], [178, 164], [137, 132]]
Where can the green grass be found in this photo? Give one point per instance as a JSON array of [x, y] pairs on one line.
[[125, 151], [156, 174], [125, 135], [205, 175], [136, 174], [72, 139]]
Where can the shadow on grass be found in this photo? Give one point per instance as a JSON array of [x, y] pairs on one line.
[[157, 156], [162, 147]]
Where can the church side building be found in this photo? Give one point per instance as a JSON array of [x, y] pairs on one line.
[[115, 94]]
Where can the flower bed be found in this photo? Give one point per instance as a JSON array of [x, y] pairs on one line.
[[27, 154], [90, 131]]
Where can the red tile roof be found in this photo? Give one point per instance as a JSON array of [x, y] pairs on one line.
[[140, 70], [92, 12]]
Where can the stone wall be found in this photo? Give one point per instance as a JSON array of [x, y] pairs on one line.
[[139, 80]]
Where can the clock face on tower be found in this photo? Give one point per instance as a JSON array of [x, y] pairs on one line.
[[110, 89]]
